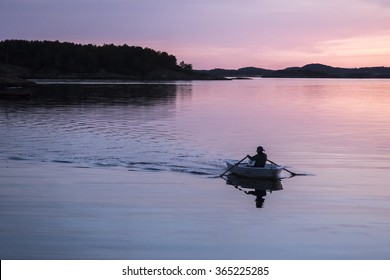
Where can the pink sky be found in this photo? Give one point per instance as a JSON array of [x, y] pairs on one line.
[[216, 33]]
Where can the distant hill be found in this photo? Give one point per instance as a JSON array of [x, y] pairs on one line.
[[53, 59], [307, 71], [325, 71], [242, 72]]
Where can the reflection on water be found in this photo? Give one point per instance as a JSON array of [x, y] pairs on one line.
[[128, 125], [157, 136], [255, 187], [194, 127], [122, 95]]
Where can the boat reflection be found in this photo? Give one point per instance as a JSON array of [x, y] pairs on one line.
[[255, 187]]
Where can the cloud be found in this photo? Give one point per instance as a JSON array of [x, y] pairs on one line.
[[220, 32], [372, 50]]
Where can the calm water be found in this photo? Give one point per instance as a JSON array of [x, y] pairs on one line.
[[159, 147]]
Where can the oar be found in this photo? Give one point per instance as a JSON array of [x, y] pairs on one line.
[[233, 166], [292, 173]]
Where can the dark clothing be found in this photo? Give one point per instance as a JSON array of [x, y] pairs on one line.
[[260, 159]]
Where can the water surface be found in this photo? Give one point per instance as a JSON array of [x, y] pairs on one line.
[[129, 171]]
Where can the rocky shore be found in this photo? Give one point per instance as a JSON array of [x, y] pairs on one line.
[[14, 76]]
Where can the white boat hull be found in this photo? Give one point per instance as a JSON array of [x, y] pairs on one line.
[[269, 171]]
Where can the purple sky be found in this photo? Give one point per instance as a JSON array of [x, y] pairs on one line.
[[216, 33]]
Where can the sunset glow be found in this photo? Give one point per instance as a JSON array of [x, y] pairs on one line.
[[218, 33]]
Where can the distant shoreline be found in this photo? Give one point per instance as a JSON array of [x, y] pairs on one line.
[[10, 80], [24, 60], [11, 83], [313, 70], [13, 76]]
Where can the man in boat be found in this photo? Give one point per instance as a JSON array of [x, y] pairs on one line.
[[260, 158]]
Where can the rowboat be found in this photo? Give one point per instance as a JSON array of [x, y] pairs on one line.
[[269, 171]]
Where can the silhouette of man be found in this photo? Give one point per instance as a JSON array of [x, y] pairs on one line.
[[260, 158]]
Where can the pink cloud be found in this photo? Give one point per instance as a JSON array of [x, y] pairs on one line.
[[208, 34]]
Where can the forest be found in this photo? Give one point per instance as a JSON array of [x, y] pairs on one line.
[[60, 58]]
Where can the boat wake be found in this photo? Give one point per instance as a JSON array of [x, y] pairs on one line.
[[204, 168]]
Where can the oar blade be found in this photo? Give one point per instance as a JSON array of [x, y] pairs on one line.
[[292, 173]]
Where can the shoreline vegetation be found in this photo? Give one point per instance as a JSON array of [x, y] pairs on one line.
[[22, 61]]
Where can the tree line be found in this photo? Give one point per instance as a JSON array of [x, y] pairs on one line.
[[74, 58]]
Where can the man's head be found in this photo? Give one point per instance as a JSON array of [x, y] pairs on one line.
[[260, 149]]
